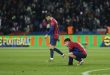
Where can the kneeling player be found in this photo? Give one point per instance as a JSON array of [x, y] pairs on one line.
[[76, 51]]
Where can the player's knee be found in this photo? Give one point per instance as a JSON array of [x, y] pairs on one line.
[[72, 55]]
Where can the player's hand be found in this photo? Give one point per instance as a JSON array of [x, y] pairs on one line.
[[46, 36]]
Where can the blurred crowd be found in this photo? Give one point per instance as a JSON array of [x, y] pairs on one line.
[[28, 15]]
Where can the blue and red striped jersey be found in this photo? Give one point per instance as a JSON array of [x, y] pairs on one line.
[[73, 45], [54, 31]]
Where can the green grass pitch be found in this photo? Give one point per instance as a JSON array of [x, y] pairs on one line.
[[18, 61]]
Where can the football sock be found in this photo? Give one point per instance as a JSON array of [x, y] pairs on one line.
[[51, 53], [58, 51], [70, 61]]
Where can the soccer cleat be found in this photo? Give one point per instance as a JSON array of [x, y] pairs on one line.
[[51, 60], [63, 56], [81, 62]]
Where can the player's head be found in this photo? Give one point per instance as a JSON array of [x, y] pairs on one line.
[[67, 41], [48, 16]]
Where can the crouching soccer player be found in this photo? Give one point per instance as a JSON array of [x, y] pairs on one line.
[[54, 36], [76, 51]]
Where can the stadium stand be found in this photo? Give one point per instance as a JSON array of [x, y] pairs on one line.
[[27, 16]]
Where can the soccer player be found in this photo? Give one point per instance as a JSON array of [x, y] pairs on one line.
[[76, 51], [54, 36]]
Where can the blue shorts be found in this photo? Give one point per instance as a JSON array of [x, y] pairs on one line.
[[78, 53], [53, 41]]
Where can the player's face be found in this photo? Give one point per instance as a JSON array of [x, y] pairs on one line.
[[66, 43]]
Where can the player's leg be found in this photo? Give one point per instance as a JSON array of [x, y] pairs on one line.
[[52, 49], [83, 56], [51, 52], [71, 57], [52, 46], [76, 55], [70, 61], [80, 57], [56, 49]]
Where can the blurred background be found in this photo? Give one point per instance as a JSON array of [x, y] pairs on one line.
[[19, 17]]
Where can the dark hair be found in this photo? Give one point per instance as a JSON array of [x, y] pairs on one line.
[[48, 14], [67, 39]]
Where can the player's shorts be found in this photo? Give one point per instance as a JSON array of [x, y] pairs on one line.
[[53, 41], [79, 54]]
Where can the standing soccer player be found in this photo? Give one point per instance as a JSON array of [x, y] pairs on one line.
[[54, 36], [76, 51]]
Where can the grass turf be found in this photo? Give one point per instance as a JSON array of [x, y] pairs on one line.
[[35, 62]]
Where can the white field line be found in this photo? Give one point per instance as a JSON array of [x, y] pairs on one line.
[[88, 72]]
